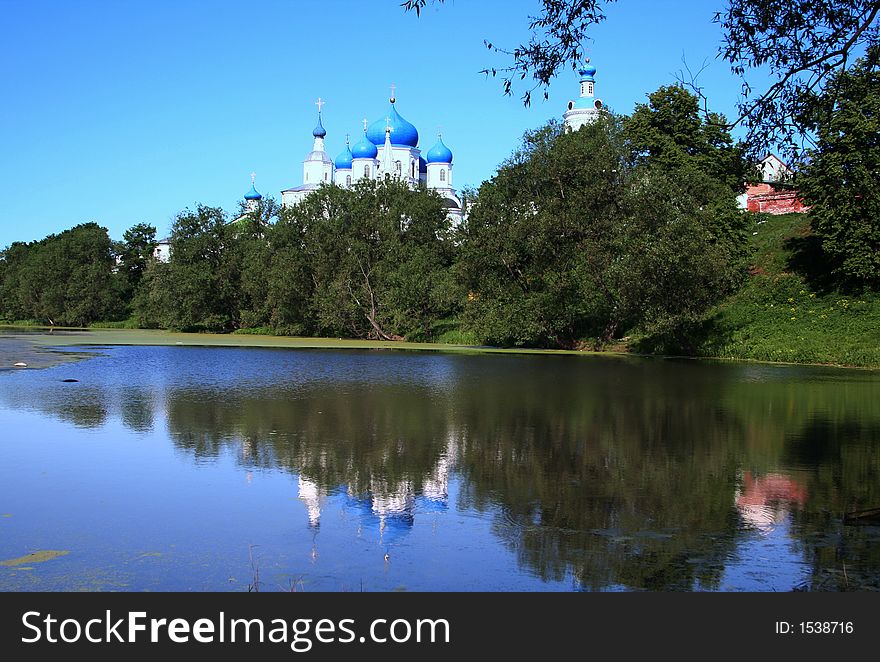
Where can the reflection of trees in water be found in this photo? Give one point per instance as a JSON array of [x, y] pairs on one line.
[[356, 437], [841, 465], [614, 472], [624, 483], [136, 408]]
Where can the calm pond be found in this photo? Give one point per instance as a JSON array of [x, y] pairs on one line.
[[194, 469]]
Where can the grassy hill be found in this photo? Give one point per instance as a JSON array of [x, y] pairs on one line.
[[789, 310]]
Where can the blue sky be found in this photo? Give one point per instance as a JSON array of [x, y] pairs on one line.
[[123, 112]]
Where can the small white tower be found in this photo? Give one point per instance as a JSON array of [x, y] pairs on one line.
[[318, 168], [343, 176], [387, 163], [364, 162], [439, 159], [252, 198], [587, 108]]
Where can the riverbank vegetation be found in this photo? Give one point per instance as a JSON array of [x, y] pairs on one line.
[[622, 235]]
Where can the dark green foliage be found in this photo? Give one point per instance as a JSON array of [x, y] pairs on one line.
[[803, 46], [134, 253], [373, 262], [379, 256], [592, 233], [64, 279], [842, 179], [197, 289], [670, 132], [787, 310]]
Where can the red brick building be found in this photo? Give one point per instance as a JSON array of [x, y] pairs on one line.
[[773, 195]]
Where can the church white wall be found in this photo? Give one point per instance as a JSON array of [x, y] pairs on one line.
[[357, 168], [439, 175], [343, 177]]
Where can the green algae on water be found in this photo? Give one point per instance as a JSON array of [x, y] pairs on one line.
[[36, 557]]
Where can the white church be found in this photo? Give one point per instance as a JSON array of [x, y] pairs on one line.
[[388, 148]]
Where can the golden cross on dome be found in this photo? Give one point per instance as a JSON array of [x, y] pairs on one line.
[[253, 178], [393, 87], [320, 103], [365, 124], [388, 126], [347, 136]]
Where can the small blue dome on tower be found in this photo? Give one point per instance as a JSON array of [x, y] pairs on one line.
[[587, 72], [403, 134], [343, 161], [253, 194], [439, 153], [364, 149], [319, 131]]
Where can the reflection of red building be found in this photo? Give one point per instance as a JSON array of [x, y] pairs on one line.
[[772, 195], [765, 501]]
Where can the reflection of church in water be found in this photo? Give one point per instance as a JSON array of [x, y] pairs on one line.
[[387, 511]]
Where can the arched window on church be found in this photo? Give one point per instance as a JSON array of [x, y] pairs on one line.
[[413, 169], [387, 176], [442, 174], [326, 176], [398, 168], [367, 171], [348, 180], [307, 177]]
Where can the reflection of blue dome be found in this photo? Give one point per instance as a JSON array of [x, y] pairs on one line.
[[439, 153], [252, 194], [388, 528], [587, 72], [319, 131], [364, 149], [343, 161], [431, 505], [403, 134]]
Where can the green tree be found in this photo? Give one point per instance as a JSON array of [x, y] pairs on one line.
[[133, 254], [63, 279], [841, 181], [577, 237], [670, 132], [379, 256], [288, 278], [197, 289]]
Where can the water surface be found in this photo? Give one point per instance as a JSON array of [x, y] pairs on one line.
[[186, 468]]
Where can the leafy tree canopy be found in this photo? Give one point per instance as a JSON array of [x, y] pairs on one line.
[[842, 179]]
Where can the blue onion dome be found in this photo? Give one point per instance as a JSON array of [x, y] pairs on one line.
[[403, 134], [319, 131], [439, 153], [587, 71], [253, 194], [364, 149], [343, 161]]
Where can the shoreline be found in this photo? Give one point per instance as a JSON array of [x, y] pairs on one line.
[[42, 347]]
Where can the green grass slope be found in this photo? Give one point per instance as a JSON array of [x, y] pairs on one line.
[[789, 310]]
